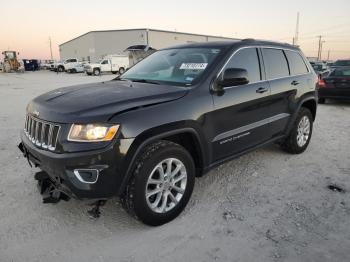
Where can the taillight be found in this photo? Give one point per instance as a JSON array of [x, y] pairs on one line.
[[321, 83]]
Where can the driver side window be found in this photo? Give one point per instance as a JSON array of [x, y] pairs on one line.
[[247, 59]]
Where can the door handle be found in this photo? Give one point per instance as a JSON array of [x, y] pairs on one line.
[[261, 90], [295, 83]]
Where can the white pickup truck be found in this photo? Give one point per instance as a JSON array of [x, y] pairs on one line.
[[111, 63], [67, 65]]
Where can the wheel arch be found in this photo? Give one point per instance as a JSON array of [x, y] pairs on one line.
[[187, 137], [308, 102]]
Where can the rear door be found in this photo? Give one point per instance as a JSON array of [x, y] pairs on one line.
[[284, 79], [241, 113]]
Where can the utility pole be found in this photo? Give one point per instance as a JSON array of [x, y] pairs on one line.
[[322, 42], [50, 47], [296, 37], [329, 52], [319, 47]]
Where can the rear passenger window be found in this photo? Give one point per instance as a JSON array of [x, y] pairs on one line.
[[275, 63], [247, 59], [296, 63]]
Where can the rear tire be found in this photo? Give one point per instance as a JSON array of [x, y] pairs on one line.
[[321, 100], [60, 69], [300, 135], [152, 174], [121, 70]]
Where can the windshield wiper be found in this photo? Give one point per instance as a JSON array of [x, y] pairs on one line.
[[144, 81]]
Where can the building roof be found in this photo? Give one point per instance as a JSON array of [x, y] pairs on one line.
[[147, 29]]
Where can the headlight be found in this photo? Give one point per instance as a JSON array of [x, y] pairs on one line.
[[92, 132]]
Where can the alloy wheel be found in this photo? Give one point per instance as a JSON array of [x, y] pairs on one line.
[[166, 185], [303, 131]]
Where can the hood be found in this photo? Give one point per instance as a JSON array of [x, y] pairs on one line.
[[98, 102]]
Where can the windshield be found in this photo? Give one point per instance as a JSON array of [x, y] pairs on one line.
[[177, 66]]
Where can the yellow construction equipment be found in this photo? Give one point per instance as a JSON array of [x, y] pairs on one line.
[[10, 63]]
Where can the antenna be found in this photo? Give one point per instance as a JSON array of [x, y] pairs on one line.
[[296, 37]]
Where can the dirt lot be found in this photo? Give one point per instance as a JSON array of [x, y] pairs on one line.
[[264, 206]]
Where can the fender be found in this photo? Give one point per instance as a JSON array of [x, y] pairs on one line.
[[307, 97], [141, 142]]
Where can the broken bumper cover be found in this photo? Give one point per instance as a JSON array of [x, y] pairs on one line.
[[70, 172]]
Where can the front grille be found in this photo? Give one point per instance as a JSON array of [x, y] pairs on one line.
[[40, 133]]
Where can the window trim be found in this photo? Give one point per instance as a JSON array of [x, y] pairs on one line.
[[285, 57], [302, 58], [259, 47]]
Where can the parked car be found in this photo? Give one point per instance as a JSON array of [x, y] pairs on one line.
[[178, 113], [321, 69], [54, 65], [112, 64], [78, 67], [341, 64], [46, 64], [336, 85], [66, 65]]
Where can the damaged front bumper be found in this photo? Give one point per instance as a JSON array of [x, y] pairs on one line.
[[92, 174]]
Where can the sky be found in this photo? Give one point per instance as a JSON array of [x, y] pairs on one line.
[[27, 25]]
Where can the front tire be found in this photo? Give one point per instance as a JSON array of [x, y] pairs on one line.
[[96, 72], [161, 184], [300, 135], [60, 69]]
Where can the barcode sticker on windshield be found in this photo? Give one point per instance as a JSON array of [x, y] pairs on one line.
[[193, 66]]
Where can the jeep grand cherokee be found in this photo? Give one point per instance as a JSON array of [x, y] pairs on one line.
[[183, 110]]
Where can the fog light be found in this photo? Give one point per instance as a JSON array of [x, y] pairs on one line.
[[88, 176]]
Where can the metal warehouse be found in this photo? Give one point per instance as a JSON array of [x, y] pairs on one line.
[[94, 45]]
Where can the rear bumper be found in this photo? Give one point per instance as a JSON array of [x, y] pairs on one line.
[[62, 168], [336, 93]]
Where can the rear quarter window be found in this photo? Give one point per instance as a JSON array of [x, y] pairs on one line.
[[275, 63], [296, 63]]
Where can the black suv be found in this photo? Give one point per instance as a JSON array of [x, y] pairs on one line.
[[145, 135]]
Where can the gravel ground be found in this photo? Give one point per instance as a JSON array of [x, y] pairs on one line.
[[264, 206]]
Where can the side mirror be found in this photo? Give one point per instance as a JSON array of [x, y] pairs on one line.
[[233, 77]]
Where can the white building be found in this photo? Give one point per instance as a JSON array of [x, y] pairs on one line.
[[95, 44]]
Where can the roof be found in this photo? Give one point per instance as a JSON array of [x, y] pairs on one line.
[[144, 29], [230, 43]]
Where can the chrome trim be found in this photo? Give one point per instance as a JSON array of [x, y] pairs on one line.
[[262, 80], [33, 126], [251, 126], [76, 173]]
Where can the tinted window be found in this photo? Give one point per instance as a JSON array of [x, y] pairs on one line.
[[275, 63], [341, 72], [296, 63], [104, 62], [247, 59], [342, 63]]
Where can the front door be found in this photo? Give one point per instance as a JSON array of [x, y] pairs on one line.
[[242, 113], [106, 65]]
